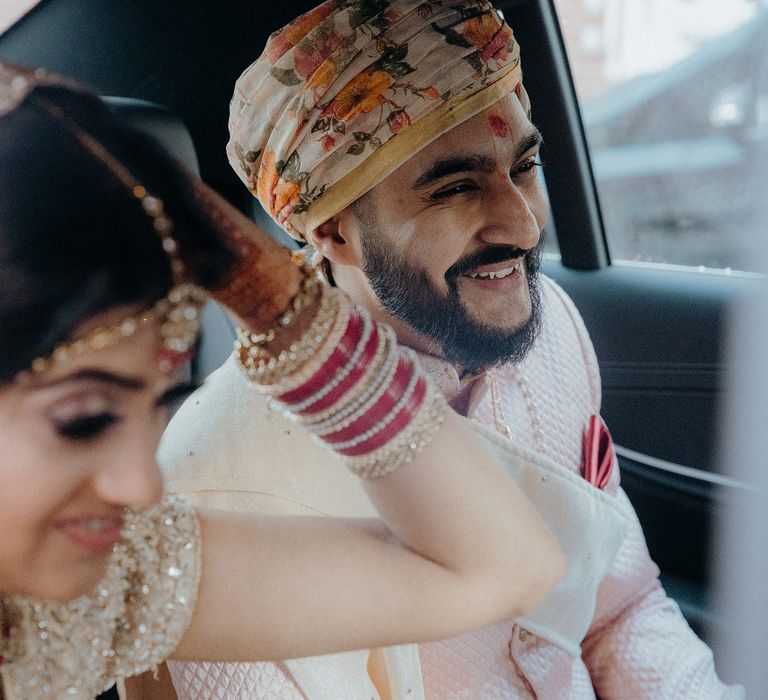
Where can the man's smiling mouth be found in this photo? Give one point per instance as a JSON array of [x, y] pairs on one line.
[[492, 272]]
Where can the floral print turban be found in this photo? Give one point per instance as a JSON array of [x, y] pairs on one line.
[[346, 93]]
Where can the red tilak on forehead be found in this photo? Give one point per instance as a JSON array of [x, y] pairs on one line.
[[498, 125]]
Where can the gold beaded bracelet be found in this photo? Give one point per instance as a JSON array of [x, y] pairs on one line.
[[309, 291], [266, 369]]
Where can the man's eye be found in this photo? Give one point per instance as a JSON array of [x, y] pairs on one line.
[[527, 167], [86, 427], [455, 189]]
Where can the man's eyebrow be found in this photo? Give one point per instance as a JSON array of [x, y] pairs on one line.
[[533, 139], [475, 163], [119, 380], [450, 166]]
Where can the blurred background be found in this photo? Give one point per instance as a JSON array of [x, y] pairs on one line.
[[674, 98]]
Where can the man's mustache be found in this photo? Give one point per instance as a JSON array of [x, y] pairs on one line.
[[492, 255]]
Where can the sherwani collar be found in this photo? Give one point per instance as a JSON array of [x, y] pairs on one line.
[[463, 393]]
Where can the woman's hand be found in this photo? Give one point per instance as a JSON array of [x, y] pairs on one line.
[[263, 280]]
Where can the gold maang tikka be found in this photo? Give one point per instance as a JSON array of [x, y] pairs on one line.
[[178, 313]]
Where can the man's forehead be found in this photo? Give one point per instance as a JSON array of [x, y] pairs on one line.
[[506, 121]]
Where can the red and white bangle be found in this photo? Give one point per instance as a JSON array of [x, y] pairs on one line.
[[403, 446], [375, 382], [360, 394]]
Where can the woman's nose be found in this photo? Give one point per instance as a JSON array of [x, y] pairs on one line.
[[132, 477]]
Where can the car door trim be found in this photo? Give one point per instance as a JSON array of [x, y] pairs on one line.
[[681, 470]]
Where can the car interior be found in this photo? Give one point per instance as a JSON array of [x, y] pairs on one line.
[[658, 329]]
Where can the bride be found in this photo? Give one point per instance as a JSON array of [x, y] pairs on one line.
[[105, 246]]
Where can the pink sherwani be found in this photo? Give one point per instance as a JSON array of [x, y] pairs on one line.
[[638, 646]]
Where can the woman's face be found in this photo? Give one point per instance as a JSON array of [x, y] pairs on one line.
[[78, 445]]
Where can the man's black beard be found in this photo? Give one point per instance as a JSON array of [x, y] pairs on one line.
[[407, 292]]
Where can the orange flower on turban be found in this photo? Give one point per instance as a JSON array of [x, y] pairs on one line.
[[284, 40], [323, 76], [363, 94], [479, 31], [268, 176], [286, 195]]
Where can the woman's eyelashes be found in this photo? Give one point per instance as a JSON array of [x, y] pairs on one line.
[[84, 418], [87, 426], [92, 417]]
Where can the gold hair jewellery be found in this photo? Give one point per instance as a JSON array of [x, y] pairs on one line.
[[179, 326], [178, 313]]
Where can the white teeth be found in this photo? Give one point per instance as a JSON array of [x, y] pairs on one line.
[[500, 274]]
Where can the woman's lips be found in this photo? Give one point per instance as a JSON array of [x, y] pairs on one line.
[[97, 534]]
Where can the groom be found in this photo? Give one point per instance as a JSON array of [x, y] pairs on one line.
[[395, 138]]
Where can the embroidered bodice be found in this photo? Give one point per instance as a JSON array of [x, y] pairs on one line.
[[133, 620]]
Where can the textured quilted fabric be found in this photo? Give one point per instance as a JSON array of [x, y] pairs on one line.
[[472, 666], [207, 681], [639, 646], [558, 387]]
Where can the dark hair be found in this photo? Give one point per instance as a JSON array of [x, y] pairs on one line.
[[73, 240]]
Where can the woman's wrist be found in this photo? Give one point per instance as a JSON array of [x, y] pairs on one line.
[[348, 383], [293, 351]]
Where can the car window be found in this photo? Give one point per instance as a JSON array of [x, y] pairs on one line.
[[674, 99], [13, 10]]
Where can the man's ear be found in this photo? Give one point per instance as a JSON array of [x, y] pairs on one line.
[[336, 240]]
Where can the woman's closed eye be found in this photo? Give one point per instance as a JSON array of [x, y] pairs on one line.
[[85, 417], [86, 427]]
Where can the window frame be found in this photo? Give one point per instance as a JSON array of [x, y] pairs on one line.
[[575, 205]]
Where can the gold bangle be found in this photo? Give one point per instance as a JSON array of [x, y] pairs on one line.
[[275, 373]]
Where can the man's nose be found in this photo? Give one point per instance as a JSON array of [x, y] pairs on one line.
[[131, 478], [510, 219]]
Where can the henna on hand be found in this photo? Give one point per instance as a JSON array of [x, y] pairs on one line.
[[261, 284]]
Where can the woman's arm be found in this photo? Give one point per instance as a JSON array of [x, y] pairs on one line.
[[458, 546], [475, 552]]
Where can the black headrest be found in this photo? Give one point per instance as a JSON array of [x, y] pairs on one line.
[[162, 125], [166, 128]]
